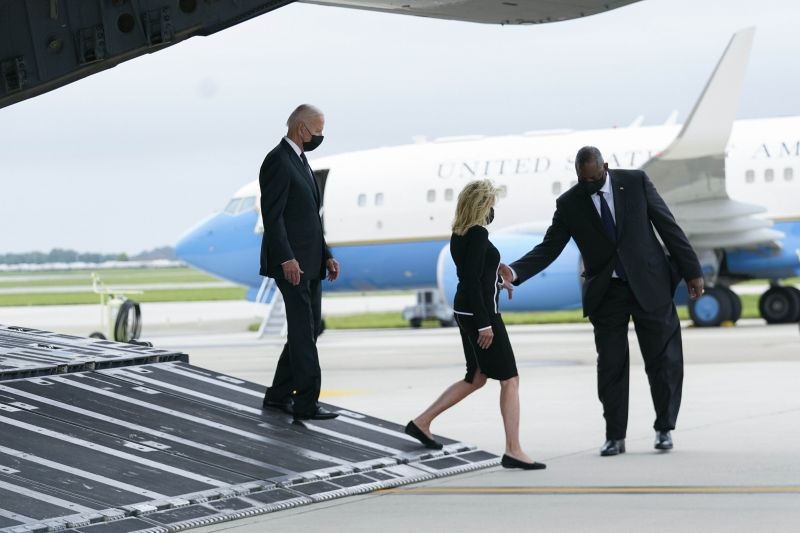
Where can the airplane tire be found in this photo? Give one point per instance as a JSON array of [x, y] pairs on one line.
[[779, 305], [127, 328], [711, 309], [415, 322], [736, 304], [448, 323], [97, 335]]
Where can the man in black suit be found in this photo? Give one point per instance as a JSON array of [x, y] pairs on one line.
[[294, 253], [611, 215]]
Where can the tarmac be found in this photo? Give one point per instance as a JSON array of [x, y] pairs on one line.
[[735, 466]]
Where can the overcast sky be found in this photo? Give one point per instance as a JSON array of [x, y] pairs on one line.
[[130, 158]]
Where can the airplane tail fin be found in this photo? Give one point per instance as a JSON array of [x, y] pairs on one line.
[[709, 125], [690, 173]]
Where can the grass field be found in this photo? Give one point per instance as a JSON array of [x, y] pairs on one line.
[[75, 298], [131, 276], [395, 320]]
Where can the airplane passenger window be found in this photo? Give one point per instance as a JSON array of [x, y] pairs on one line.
[[788, 174], [749, 176], [233, 206], [431, 195], [769, 175], [556, 187], [246, 204], [362, 200], [448, 195], [379, 198]]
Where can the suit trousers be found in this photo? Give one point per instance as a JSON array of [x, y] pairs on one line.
[[659, 336], [298, 374]]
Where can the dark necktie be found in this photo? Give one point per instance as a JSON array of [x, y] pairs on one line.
[[310, 173], [611, 231]]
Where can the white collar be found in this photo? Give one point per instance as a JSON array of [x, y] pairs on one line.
[[296, 148], [606, 188]]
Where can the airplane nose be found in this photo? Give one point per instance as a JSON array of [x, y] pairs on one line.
[[196, 247]]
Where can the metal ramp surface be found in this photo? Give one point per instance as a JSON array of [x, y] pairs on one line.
[[97, 436]]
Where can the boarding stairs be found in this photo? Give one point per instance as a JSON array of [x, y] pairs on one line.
[[274, 322]]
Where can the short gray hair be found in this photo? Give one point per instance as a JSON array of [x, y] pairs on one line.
[[303, 113], [588, 155]]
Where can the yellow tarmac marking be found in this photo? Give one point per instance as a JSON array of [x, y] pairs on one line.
[[336, 393], [594, 490]]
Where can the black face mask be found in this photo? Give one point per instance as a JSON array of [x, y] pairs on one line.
[[490, 216], [591, 187], [315, 141]]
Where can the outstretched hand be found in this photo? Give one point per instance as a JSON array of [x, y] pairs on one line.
[[507, 276]]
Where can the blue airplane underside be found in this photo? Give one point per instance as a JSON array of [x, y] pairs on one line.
[[227, 247]]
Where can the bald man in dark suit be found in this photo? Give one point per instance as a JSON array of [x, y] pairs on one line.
[[613, 215]]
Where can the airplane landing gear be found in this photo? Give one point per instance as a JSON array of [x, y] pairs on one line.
[[780, 305], [715, 306]]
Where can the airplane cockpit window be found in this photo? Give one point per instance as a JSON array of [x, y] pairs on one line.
[[240, 205], [247, 204], [232, 206]]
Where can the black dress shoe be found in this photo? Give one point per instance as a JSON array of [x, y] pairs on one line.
[[319, 414], [663, 440], [285, 405], [413, 431], [613, 447], [509, 462]]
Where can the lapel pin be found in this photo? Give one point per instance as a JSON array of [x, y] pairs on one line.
[[622, 188]]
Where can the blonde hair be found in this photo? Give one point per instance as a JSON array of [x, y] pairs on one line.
[[473, 205]]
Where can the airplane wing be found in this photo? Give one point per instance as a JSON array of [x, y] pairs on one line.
[[690, 173], [50, 43], [486, 11]]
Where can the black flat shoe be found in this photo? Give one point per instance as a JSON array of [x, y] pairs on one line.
[[413, 431], [319, 414], [613, 447], [509, 462], [287, 406], [663, 440]]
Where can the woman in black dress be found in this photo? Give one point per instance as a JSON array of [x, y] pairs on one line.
[[486, 346]]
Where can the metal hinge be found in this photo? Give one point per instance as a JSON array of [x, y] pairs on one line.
[[90, 44], [157, 26], [14, 75]]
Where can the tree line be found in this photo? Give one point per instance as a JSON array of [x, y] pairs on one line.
[[61, 255]]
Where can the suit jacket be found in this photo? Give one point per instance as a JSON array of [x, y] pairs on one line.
[[651, 275], [290, 204], [476, 261]]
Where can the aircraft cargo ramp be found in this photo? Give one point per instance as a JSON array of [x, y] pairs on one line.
[[98, 436]]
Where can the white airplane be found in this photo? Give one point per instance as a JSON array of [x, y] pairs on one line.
[[733, 185]]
